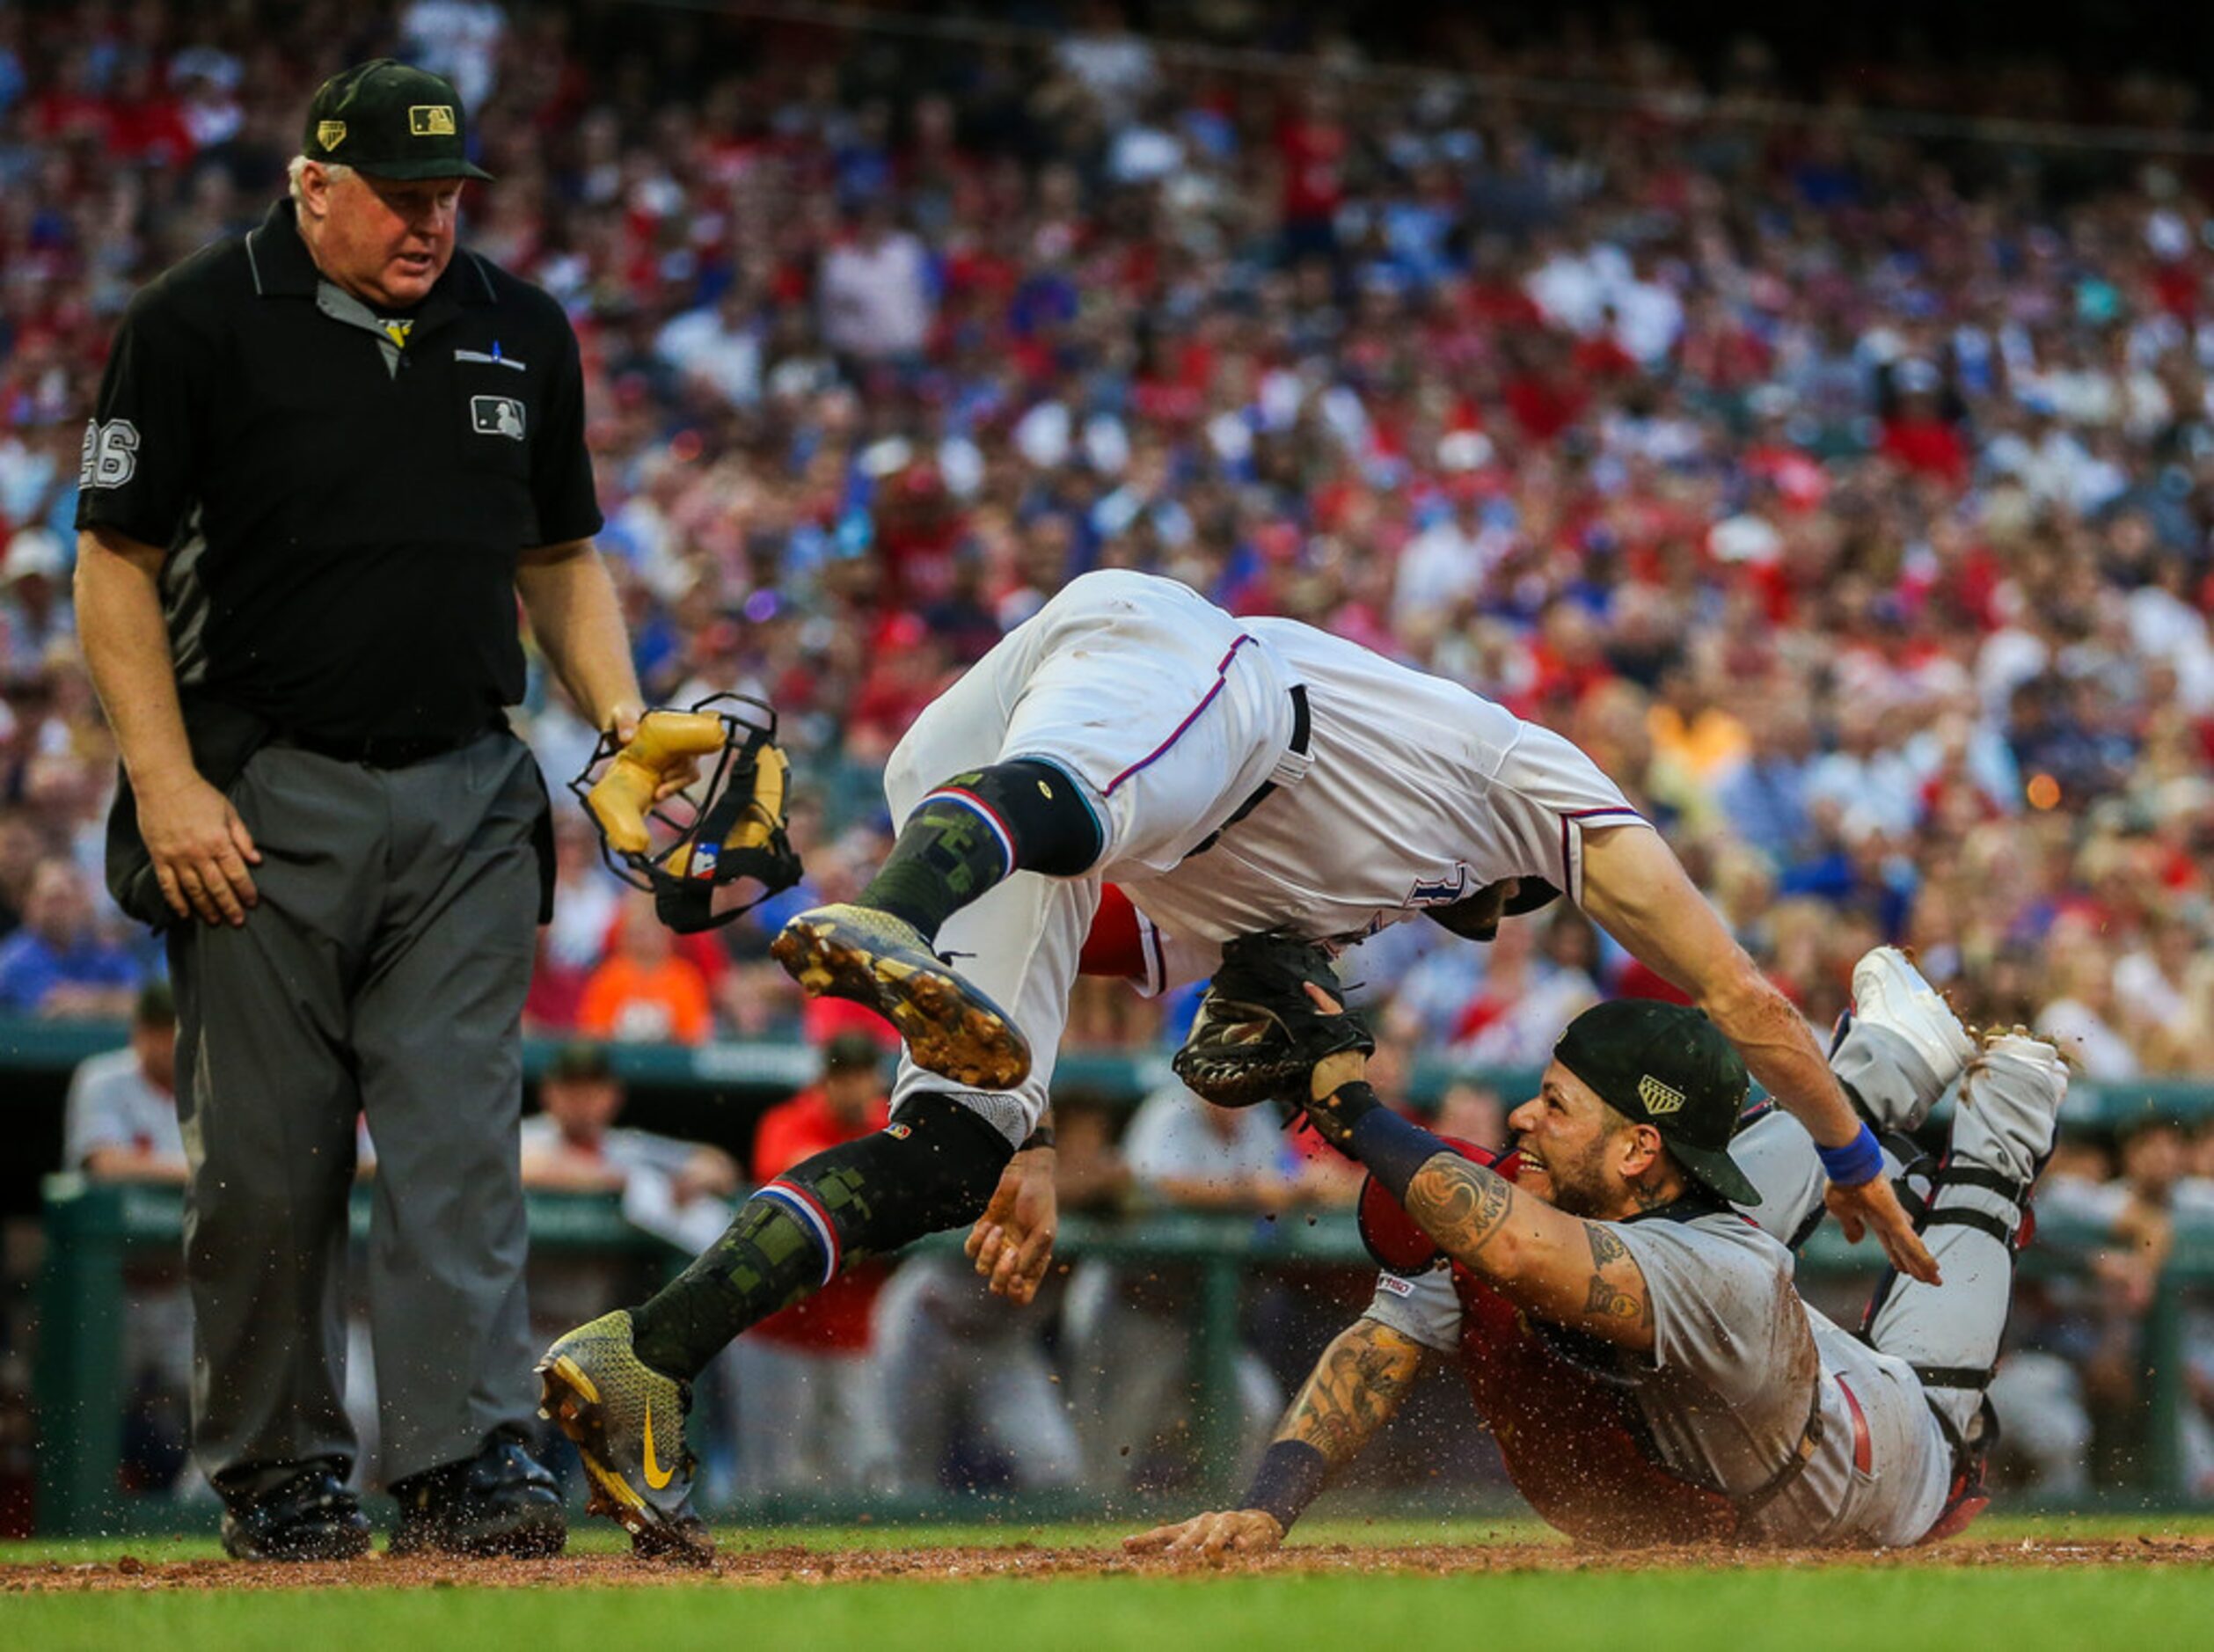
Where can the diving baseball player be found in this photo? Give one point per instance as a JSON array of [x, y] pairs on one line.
[[1233, 777], [1619, 1292]]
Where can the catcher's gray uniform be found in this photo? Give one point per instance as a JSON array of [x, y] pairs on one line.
[[1392, 791], [1739, 1361]]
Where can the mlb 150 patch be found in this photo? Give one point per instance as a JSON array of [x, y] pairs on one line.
[[496, 416]]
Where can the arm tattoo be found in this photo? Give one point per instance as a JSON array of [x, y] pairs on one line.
[[1355, 1386], [1607, 1300], [1459, 1204], [1604, 1246]]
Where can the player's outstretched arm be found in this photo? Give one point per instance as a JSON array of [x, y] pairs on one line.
[[1635, 890], [1352, 1393]]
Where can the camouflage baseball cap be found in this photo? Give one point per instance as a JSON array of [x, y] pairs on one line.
[[390, 121], [1668, 1066]]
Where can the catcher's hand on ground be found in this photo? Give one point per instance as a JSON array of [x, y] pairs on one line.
[[1875, 1204], [1011, 1242], [1229, 1532], [1260, 1031]]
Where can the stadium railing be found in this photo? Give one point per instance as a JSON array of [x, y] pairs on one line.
[[93, 1230], [765, 1069]]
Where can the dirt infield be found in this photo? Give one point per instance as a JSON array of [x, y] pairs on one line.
[[794, 1564]]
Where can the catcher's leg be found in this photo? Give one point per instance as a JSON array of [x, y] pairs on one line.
[[1899, 1050], [2004, 1131]]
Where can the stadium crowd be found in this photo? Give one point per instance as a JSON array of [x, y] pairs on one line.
[[1847, 494]]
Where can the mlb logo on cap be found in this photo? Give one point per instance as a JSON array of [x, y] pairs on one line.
[[496, 416], [431, 120]]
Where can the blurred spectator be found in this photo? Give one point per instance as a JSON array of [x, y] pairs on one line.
[[812, 1412], [966, 1383], [875, 292], [587, 900], [1128, 1332], [677, 1191], [121, 1126], [572, 1143], [58, 965], [645, 991]]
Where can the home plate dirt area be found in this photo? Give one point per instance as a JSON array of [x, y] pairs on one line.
[[799, 1564]]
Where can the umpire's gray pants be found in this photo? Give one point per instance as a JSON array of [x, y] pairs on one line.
[[382, 973]]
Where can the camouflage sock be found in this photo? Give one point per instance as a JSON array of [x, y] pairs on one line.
[[933, 1168]]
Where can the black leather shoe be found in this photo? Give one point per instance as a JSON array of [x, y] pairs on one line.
[[311, 1517], [502, 1500]]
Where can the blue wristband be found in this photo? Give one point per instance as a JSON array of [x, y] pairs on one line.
[[1290, 1478], [1393, 1149], [1859, 1161]]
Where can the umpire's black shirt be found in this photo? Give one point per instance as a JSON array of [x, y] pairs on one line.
[[342, 494]]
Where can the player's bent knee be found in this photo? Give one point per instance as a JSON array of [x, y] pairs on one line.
[[933, 1167], [1039, 810]]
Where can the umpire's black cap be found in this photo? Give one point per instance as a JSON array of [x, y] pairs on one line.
[[1668, 1066], [390, 121]]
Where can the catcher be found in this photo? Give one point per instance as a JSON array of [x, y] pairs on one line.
[[1619, 1290]]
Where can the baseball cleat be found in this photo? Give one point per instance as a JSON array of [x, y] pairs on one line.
[[872, 958], [1889, 991], [595, 1389]]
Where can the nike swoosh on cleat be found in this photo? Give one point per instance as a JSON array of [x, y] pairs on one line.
[[656, 1476]]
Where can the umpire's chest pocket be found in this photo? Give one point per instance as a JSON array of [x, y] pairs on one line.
[[493, 422], [494, 418]]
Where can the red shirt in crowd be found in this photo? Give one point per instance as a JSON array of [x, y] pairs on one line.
[[834, 1319]]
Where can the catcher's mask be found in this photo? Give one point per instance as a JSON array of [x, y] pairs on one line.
[[689, 849]]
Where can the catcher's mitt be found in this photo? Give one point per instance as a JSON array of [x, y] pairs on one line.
[[688, 845], [1257, 1034]]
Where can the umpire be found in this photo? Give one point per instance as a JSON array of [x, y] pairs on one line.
[[328, 456]]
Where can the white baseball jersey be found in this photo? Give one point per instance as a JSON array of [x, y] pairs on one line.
[[1171, 714], [1417, 794]]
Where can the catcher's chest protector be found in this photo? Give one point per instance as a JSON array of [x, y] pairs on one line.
[[1574, 1444]]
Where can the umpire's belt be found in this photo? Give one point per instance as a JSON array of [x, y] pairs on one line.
[[386, 751], [1302, 732]]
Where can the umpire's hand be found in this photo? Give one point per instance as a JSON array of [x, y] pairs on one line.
[[200, 848]]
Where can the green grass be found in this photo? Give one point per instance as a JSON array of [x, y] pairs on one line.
[[1887, 1609]]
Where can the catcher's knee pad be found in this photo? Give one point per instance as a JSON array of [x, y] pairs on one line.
[[933, 1167], [1038, 810]]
